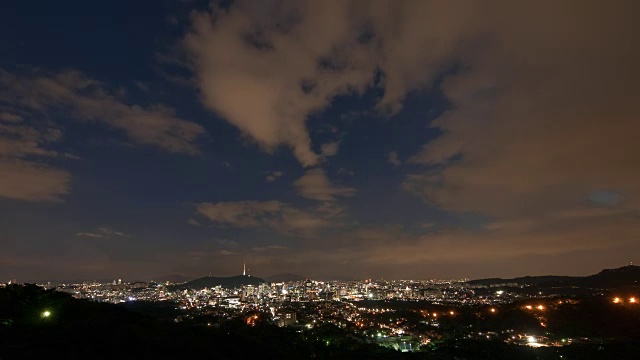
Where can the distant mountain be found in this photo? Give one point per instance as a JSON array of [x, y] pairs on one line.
[[54, 282], [226, 282], [284, 277], [333, 278], [606, 279], [173, 278]]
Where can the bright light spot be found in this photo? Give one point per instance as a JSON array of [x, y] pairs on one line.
[[632, 300], [500, 292], [529, 307], [451, 312], [46, 314], [617, 300], [493, 310], [540, 307], [531, 339]]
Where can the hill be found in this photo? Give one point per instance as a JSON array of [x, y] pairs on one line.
[[226, 282], [606, 279], [173, 278]]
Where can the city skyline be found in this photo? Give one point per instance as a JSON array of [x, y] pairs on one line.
[[364, 139]]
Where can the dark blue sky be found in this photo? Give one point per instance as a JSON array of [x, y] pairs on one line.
[[151, 137]]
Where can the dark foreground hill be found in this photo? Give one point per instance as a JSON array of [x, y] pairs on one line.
[[625, 276], [82, 329], [230, 282]]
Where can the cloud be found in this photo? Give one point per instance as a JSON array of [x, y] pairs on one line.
[[90, 235], [103, 232], [265, 67], [315, 185], [273, 176], [9, 117], [86, 99], [31, 181], [542, 117], [273, 215], [329, 149], [269, 248], [24, 176], [393, 159]]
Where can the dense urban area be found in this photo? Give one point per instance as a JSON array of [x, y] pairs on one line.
[[403, 316]]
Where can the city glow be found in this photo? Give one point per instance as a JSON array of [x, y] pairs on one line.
[[632, 300], [529, 307], [540, 307], [617, 300]]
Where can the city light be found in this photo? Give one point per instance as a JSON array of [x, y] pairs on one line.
[[540, 307], [493, 310], [617, 300], [632, 300], [529, 307], [451, 313], [531, 339], [46, 314]]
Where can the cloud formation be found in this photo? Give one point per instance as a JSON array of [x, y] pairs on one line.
[[24, 176], [542, 100], [103, 232], [543, 116], [315, 184], [89, 100], [393, 159], [274, 215], [273, 176], [265, 67]]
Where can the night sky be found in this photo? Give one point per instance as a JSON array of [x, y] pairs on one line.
[[366, 139]]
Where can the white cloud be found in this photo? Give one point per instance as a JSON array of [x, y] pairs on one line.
[[273, 176], [103, 232], [88, 100], [393, 159], [265, 67], [274, 215], [315, 185], [9, 117], [90, 235], [269, 248], [329, 149], [30, 180]]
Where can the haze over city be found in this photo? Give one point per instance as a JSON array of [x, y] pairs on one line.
[[361, 139]]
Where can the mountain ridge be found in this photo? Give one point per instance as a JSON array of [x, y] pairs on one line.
[[628, 275]]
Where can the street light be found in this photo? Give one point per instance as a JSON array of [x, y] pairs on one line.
[[46, 314]]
